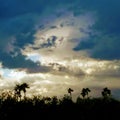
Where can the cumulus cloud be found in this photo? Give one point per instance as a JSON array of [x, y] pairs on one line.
[[18, 25], [54, 42], [21, 19], [59, 41]]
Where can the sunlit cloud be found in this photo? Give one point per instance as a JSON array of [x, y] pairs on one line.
[[55, 43], [63, 36], [53, 48]]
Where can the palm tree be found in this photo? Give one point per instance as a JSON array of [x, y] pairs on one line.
[[18, 88], [85, 92], [17, 91], [106, 93], [70, 91], [23, 87]]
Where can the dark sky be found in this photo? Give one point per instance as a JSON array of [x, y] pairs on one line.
[[17, 18]]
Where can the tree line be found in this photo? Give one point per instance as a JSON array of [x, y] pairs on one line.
[[106, 93], [19, 106]]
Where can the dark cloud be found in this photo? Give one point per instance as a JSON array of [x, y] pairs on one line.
[[15, 33], [14, 8], [107, 47], [22, 27], [18, 61], [50, 42], [85, 44], [58, 69], [18, 20], [104, 45], [39, 69]]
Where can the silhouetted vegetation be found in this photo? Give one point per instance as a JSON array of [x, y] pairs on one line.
[[85, 92], [14, 107], [70, 91], [19, 88]]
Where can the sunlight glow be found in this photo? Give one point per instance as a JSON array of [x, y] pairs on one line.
[[12, 73], [35, 57], [89, 71], [67, 77]]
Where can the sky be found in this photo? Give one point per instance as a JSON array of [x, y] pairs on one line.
[[56, 44]]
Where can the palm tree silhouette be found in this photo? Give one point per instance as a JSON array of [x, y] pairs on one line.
[[18, 88], [106, 93], [23, 87], [17, 92], [85, 92], [70, 91]]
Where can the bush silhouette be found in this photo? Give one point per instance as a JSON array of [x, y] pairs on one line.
[[40, 107]]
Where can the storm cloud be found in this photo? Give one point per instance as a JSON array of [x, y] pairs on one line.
[[104, 42], [17, 27], [19, 20]]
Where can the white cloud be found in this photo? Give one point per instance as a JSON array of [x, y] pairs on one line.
[[67, 33]]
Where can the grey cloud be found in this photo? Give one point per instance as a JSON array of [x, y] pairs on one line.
[[85, 44], [18, 19], [59, 69], [39, 69], [104, 45], [15, 33], [20, 28], [101, 47], [50, 42], [107, 48], [14, 8], [18, 61], [21, 63]]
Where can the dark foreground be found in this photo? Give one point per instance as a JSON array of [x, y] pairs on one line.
[[39, 108]]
